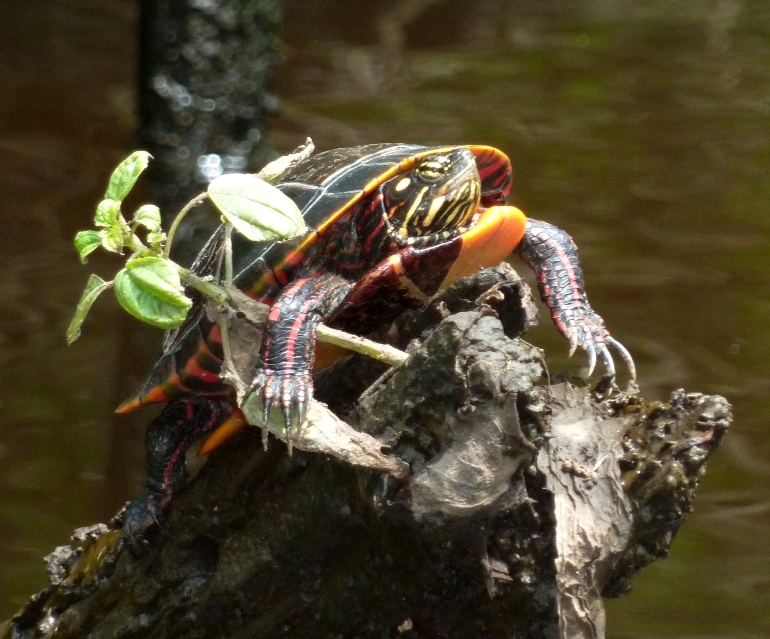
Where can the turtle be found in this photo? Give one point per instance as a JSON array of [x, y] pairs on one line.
[[389, 226]]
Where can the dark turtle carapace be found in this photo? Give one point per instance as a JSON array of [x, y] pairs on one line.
[[391, 224]]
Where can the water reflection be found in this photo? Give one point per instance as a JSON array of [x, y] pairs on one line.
[[642, 127]]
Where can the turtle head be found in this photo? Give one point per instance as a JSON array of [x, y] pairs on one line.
[[440, 192]]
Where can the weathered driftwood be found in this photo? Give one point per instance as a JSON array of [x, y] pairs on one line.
[[506, 507]]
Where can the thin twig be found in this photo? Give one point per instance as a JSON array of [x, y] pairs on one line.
[[224, 320], [380, 352], [175, 225], [228, 253]]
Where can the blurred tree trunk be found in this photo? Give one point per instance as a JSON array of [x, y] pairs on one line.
[[204, 69]]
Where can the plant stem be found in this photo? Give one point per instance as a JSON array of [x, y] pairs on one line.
[[228, 254], [380, 352], [209, 289], [178, 219], [137, 244]]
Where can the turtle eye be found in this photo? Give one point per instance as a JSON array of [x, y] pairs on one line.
[[432, 170]]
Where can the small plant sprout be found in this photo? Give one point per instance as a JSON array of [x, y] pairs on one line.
[[150, 286]]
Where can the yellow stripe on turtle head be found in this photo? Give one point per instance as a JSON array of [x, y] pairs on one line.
[[443, 194]]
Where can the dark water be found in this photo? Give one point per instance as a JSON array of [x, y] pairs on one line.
[[641, 127]]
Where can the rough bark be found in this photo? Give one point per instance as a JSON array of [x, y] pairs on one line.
[[524, 503]]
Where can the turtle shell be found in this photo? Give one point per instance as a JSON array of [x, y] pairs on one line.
[[325, 187], [328, 185]]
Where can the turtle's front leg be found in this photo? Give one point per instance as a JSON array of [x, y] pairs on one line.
[[552, 254], [167, 440], [283, 377]]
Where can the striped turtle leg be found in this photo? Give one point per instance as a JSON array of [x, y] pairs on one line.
[[283, 377], [167, 440], [552, 254]]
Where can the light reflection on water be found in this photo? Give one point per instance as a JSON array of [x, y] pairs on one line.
[[642, 128]]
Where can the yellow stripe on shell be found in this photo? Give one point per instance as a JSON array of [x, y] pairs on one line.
[[369, 187]]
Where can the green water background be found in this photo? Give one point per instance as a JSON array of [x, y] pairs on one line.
[[642, 127]]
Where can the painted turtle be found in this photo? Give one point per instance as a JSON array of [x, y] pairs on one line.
[[390, 224]]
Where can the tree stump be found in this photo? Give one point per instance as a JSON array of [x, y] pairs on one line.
[[508, 506]]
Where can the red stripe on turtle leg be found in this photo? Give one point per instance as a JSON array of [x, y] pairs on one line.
[[552, 254], [289, 348], [168, 438]]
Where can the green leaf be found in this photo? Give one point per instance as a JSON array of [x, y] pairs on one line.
[[107, 213], [255, 208], [113, 239], [86, 242], [95, 287], [125, 176], [149, 289], [149, 217], [155, 240], [159, 276]]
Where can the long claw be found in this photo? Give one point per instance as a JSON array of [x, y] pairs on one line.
[[606, 357], [287, 419], [573, 341], [266, 406], [288, 392], [611, 341], [591, 351]]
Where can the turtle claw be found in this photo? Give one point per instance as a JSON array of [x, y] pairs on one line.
[[290, 391], [591, 351], [587, 331], [267, 404], [623, 351], [573, 342], [606, 357], [139, 517], [288, 418]]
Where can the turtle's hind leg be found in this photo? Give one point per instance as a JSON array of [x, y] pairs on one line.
[[167, 441]]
